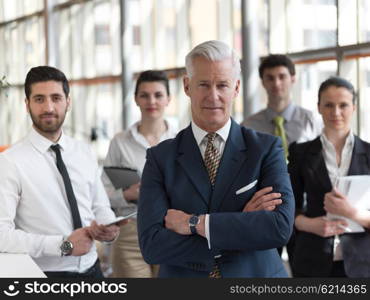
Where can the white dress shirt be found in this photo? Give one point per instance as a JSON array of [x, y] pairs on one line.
[[219, 143], [128, 149], [335, 171], [35, 213]]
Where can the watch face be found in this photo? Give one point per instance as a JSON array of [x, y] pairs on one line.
[[193, 220], [66, 248]]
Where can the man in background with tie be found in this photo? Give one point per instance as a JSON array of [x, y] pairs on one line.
[[51, 196], [216, 200], [281, 117]]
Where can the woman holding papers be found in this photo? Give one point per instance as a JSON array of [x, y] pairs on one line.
[[128, 149], [323, 246]]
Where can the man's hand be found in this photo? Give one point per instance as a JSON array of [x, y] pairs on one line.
[[336, 203], [104, 233], [132, 193], [263, 200], [177, 221], [81, 240]]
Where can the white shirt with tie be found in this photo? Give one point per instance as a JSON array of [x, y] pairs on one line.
[[35, 213], [219, 143]]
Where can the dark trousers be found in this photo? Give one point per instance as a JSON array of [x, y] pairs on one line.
[[92, 272], [338, 269]]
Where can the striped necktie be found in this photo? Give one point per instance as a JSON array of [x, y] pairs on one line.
[[211, 157], [212, 160]]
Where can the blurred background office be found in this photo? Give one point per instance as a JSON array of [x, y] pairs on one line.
[[102, 45]]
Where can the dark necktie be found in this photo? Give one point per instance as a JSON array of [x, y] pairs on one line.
[[68, 186]]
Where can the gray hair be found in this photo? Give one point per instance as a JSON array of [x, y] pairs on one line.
[[213, 51]]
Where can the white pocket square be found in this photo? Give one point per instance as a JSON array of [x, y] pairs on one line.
[[246, 188]]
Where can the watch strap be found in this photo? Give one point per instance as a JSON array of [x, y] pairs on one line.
[[192, 226]]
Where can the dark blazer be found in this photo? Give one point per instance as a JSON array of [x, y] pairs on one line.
[[313, 255], [175, 176]]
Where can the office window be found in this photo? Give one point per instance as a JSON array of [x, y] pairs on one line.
[[347, 12], [320, 2], [10, 10], [136, 34], [102, 34], [364, 20], [318, 38], [198, 11], [263, 27], [22, 47], [363, 101], [348, 69], [308, 79], [310, 25], [25, 48]]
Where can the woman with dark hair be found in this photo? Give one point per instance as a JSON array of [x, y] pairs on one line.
[[128, 149], [323, 248]]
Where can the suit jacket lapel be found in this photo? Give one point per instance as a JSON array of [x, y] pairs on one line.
[[231, 162], [316, 162], [191, 161], [360, 161]]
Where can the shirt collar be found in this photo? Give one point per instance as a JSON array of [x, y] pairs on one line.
[[42, 144], [350, 140], [138, 137], [135, 130], [199, 133], [287, 113]]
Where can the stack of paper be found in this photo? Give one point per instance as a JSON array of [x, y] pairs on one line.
[[357, 190]]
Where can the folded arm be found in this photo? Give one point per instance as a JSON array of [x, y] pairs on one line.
[[160, 245], [262, 229], [178, 221]]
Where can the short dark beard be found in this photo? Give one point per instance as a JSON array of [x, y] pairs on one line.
[[48, 129]]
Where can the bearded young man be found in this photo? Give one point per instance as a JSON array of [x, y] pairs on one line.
[[51, 196]]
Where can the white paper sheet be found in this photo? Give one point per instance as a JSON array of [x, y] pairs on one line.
[[357, 190], [19, 266]]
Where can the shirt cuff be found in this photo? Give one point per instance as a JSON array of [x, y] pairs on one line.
[[206, 225], [52, 245]]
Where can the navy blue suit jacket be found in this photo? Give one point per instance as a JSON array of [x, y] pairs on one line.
[[175, 177]]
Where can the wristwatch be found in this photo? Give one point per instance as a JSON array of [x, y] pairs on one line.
[[193, 221], [66, 248]]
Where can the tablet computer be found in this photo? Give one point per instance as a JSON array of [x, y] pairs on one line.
[[122, 178], [120, 218]]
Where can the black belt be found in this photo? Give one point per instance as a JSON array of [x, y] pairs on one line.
[[93, 272]]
